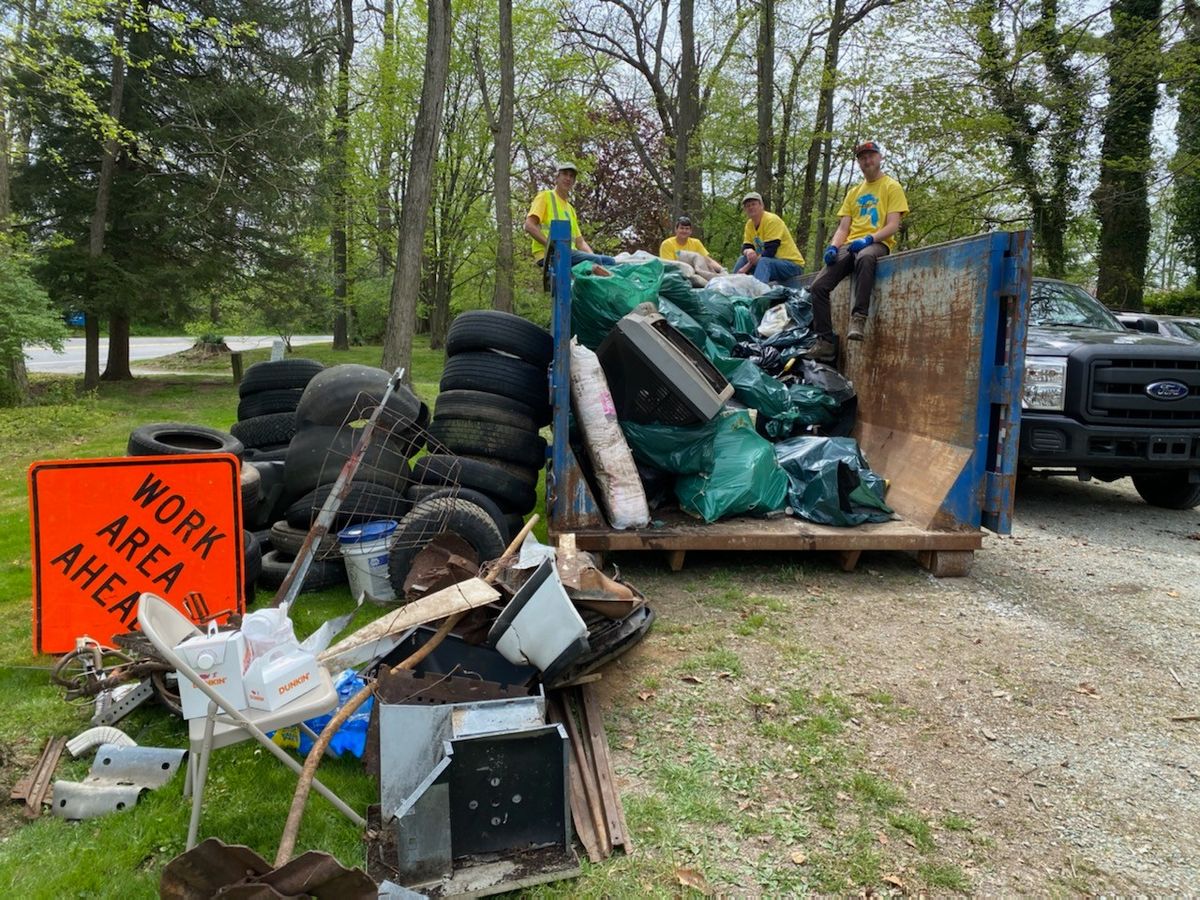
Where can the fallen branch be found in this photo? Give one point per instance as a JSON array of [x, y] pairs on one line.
[[291, 828]]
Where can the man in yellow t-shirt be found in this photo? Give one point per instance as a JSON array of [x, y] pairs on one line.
[[683, 240], [768, 251], [870, 217], [553, 204]]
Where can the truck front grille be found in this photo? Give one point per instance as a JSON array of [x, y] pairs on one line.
[[1118, 392]]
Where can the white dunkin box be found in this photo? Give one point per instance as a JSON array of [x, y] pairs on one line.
[[281, 676], [220, 658]]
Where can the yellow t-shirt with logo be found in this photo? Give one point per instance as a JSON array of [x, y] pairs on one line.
[[670, 248], [771, 228], [547, 206], [868, 205]]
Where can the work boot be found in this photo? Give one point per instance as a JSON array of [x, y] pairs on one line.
[[821, 351], [858, 325]]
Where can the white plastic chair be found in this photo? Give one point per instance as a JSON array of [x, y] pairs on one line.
[[165, 626]]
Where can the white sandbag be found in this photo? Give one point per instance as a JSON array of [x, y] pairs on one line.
[[701, 263], [621, 492], [637, 257], [739, 285]]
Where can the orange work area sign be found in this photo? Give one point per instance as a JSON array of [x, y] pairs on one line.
[[105, 530]]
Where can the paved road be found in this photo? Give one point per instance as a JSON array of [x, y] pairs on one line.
[[70, 360]]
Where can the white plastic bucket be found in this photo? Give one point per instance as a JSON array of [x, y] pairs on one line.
[[365, 551]]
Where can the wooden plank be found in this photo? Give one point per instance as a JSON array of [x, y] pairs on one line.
[[458, 598], [675, 559], [848, 559], [585, 827], [921, 471], [681, 532], [587, 770], [235, 360], [593, 721], [33, 788], [946, 563]]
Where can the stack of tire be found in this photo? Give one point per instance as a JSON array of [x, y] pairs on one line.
[[181, 438], [485, 450], [329, 418], [268, 395]]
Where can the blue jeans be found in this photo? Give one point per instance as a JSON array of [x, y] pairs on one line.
[[769, 269], [578, 256]]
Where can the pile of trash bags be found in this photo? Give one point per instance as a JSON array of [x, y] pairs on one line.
[[780, 444]]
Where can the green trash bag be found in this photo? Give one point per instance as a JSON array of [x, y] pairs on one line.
[[678, 449], [598, 302], [687, 326], [830, 482], [711, 306], [745, 477], [810, 405], [754, 387], [676, 288]]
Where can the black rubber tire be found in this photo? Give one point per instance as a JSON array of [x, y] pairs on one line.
[[484, 407], [289, 540], [497, 374], [489, 329], [501, 442], [510, 493], [272, 430], [419, 493], [525, 474], [1168, 490], [431, 518], [266, 403], [366, 502], [514, 523], [251, 485], [252, 564], [266, 454], [277, 375], [318, 453], [179, 438], [322, 573], [347, 392]]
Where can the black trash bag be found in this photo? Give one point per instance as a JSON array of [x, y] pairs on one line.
[[798, 303], [830, 483], [810, 405], [837, 386], [658, 485]]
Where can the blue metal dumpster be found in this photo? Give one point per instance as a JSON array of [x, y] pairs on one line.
[[938, 380]]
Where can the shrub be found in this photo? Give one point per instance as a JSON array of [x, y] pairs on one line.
[[1185, 302]]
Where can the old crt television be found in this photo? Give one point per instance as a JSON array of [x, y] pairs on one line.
[[655, 374]]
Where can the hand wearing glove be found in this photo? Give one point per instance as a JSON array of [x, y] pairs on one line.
[[862, 243], [831, 253]]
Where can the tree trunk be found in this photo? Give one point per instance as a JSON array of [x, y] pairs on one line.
[[117, 367], [341, 210], [784, 139], [402, 310], [1187, 136], [502, 290], [108, 162], [439, 305], [387, 142], [766, 101], [685, 188], [822, 135], [1122, 204]]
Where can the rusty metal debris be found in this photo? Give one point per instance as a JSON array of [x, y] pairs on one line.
[[215, 869], [32, 789]]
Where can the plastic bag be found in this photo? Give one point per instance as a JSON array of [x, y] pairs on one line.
[[679, 449], [687, 326], [675, 287], [744, 285], [754, 387], [830, 482], [351, 737], [621, 492], [774, 320], [745, 477], [598, 302]]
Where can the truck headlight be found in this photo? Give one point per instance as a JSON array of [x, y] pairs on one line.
[[1045, 383]]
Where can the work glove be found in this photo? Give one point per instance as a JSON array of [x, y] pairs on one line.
[[831, 253], [862, 243]]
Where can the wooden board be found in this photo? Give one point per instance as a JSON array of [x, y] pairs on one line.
[[920, 470], [681, 532]]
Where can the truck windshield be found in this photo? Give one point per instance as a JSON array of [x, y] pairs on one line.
[[1190, 328], [1057, 303]]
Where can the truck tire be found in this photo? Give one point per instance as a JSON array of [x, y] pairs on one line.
[[365, 502], [1169, 490], [510, 492], [515, 378], [419, 493], [322, 573], [351, 391], [317, 454], [431, 518], [253, 564], [266, 403], [484, 407], [278, 375], [272, 430], [177, 438], [289, 541], [503, 442], [489, 329]]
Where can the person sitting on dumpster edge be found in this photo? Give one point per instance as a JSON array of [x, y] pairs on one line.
[[553, 204], [870, 216], [768, 251], [683, 240]]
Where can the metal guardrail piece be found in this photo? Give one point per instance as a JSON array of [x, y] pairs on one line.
[[118, 777]]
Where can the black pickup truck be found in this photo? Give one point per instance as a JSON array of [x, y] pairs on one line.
[[1101, 401]]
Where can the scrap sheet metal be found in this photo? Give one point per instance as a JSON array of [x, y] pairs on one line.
[[117, 779]]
